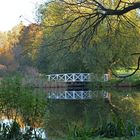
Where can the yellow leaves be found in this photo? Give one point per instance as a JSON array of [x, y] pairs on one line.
[[9, 39], [3, 42]]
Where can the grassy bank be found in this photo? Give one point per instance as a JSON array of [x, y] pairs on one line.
[[129, 82]]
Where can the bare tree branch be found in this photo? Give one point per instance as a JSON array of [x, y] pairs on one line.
[[125, 10]]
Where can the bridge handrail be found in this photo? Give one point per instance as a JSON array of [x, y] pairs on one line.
[[69, 77], [75, 77]]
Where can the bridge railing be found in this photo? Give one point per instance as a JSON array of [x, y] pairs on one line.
[[76, 77], [70, 77]]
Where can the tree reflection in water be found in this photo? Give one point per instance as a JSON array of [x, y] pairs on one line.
[[64, 114], [31, 107], [22, 105]]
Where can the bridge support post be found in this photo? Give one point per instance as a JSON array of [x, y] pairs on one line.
[[82, 77], [65, 77], [73, 77]]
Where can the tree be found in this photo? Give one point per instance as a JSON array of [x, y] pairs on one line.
[[89, 15], [9, 41], [50, 60], [92, 23], [26, 49]]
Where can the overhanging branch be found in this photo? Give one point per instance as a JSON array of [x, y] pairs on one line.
[[128, 75], [127, 9]]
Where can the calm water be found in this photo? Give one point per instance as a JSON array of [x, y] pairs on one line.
[[69, 109]]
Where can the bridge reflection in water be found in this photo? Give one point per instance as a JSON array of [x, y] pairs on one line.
[[76, 95]]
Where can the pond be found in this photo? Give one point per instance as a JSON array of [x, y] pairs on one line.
[[88, 109], [60, 112]]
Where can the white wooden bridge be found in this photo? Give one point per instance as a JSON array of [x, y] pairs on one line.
[[73, 77], [75, 95]]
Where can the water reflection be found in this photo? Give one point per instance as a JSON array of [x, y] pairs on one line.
[[69, 109], [75, 107], [75, 94], [70, 95]]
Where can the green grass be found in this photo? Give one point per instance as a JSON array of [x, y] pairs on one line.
[[132, 81]]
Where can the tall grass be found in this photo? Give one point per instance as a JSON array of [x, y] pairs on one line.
[[116, 128]]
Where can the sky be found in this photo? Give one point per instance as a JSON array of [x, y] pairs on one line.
[[13, 12]]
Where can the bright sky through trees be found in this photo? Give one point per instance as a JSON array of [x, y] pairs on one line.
[[13, 12]]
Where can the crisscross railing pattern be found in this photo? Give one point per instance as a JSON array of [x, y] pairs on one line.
[[70, 95], [70, 77]]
